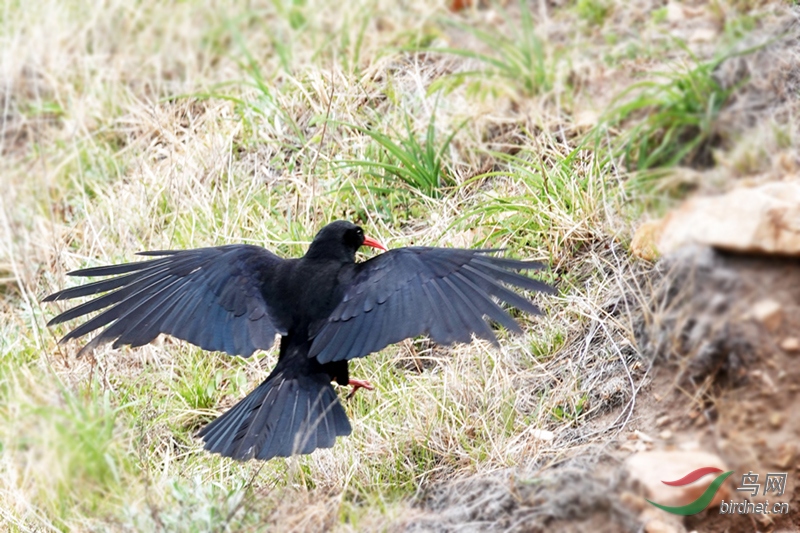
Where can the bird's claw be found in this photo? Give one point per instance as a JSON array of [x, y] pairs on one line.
[[359, 384]]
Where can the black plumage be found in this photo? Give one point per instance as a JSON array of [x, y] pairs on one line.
[[327, 309]]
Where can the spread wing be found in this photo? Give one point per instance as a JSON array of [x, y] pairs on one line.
[[441, 292], [210, 297]]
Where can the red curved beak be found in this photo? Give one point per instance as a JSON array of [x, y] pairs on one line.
[[372, 243]]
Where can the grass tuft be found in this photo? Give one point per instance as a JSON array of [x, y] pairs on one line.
[[518, 56], [417, 161], [671, 119]]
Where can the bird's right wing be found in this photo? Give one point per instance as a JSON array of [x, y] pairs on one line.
[[210, 297], [442, 292]]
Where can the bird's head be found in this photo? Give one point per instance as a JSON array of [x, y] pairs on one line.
[[340, 240]]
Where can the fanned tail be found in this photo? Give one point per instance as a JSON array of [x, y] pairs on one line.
[[284, 416]]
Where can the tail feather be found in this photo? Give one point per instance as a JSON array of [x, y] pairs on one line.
[[284, 416]]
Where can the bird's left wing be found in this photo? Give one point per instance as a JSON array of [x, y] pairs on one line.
[[210, 297], [442, 292]]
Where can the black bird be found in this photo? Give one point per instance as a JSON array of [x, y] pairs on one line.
[[327, 308]]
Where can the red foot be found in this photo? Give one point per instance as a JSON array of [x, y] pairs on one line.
[[359, 384]]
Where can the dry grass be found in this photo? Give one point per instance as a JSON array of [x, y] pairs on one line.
[[165, 125]]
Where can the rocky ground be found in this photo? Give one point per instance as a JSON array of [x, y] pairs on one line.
[[720, 331]]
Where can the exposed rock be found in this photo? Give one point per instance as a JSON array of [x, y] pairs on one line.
[[645, 241], [651, 469], [657, 521], [659, 526], [764, 219], [769, 313], [543, 435], [632, 501], [787, 453], [776, 419], [790, 345]]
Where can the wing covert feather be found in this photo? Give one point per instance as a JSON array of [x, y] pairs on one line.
[[444, 293]]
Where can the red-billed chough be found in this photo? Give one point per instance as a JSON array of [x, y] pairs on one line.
[[327, 308]]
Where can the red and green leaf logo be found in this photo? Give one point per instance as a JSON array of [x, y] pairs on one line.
[[704, 500]]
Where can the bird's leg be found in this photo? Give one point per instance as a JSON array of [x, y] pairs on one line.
[[359, 384]]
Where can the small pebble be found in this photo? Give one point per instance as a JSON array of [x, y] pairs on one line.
[[790, 345]]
